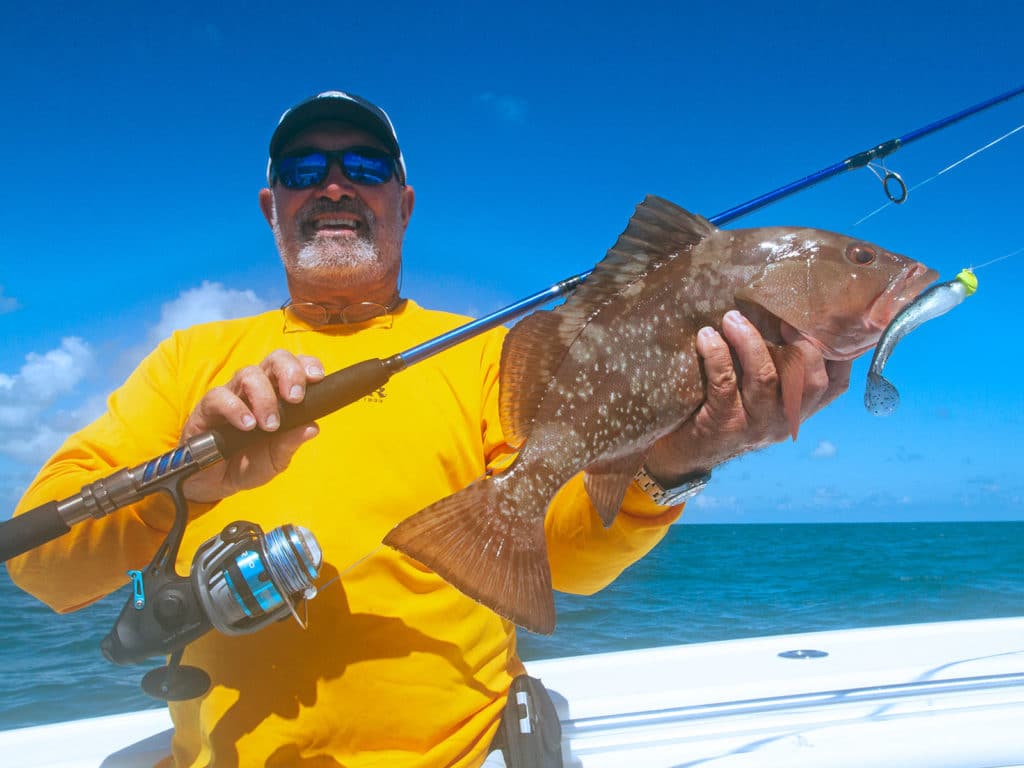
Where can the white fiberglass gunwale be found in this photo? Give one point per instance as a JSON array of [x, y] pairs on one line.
[[939, 695]]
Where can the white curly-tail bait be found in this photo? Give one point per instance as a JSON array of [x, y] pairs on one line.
[[880, 396]]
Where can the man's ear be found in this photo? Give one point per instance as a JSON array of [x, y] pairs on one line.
[[267, 205], [408, 202]]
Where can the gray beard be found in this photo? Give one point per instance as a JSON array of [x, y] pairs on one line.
[[327, 253], [327, 256]]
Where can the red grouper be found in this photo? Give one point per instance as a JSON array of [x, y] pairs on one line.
[[593, 383]]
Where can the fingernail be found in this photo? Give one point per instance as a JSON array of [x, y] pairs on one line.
[[296, 392], [732, 316], [314, 370], [272, 421], [248, 421]]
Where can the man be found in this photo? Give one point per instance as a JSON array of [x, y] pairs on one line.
[[396, 667]]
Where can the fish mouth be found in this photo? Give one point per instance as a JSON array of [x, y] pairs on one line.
[[903, 289]]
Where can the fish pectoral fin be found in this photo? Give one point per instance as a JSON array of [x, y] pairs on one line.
[[789, 364], [496, 556], [530, 356], [607, 484]]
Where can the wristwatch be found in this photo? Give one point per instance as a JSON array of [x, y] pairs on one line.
[[686, 489]]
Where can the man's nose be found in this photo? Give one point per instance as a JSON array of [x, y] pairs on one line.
[[336, 185]]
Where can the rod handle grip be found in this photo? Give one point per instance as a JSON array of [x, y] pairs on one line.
[[30, 530], [333, 392]]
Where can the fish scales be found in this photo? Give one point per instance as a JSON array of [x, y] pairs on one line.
[[593, 384]]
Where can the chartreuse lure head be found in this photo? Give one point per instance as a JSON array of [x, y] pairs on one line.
[[968, 279]]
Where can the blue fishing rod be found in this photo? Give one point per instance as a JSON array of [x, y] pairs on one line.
[[166, 472]]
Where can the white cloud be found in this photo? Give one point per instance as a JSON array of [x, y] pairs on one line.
[[33, 416], [46, 399], [824, 450], [208, 302], [831, 498], [710, 502]]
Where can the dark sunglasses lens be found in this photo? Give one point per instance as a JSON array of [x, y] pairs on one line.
[[366, 166], [302, 171]]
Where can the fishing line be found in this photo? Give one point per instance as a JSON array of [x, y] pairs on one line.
[[351, 567], [944, 170], [1000, 258]]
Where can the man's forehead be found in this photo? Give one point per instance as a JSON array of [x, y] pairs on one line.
[[332, 134]]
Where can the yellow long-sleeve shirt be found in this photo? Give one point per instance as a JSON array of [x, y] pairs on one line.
[[396, 668]]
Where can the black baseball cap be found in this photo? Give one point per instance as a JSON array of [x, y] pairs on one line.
[[345, 108]]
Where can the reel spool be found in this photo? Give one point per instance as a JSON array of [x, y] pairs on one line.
[[246, 580]]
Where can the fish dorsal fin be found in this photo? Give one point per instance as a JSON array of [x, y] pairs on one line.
[[658, 232]]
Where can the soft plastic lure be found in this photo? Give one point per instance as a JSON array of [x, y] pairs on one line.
[[880, 396]]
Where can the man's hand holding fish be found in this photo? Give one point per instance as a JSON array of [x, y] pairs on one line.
[[743, 409]]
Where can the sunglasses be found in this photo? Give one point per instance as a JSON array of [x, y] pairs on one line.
[[360, 165]]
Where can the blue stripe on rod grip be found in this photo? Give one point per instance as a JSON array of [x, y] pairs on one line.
[[30, 530]]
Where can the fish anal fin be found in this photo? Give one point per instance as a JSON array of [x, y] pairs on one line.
[[607, 483], [789, 364], [532, 352], [499, 560]]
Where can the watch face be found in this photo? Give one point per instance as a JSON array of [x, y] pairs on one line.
[[683, 492]]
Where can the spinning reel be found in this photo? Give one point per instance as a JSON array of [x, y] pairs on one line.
[[240, 581]]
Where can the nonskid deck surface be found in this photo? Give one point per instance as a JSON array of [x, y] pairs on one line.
[[948, 694]]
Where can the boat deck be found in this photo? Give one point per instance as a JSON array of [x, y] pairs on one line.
[[936, 695]]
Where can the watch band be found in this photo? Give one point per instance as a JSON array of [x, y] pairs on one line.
[[686, 489]]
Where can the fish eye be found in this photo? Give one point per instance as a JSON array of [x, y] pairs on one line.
[[861, 254]]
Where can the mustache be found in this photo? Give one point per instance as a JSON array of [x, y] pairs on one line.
[[345, 205]]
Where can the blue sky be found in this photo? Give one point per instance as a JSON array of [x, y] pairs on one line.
[[136, 135]]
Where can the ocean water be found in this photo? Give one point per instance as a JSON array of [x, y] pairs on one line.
[[702, 583]]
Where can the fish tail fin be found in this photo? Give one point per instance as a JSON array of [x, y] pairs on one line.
[[475, 541]]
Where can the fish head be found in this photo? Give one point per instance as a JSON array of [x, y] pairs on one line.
[[837, 292]]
